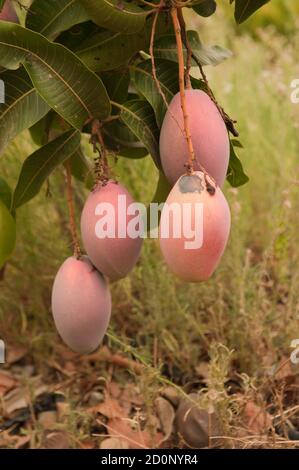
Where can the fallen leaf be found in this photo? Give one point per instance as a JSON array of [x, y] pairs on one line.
[[47, 419], [172, 395], [63, 410], [114, 443], [18, 398], [114, 390], [196, 426], [256, 419], [136, 439], [14, 353], [111, 409], [203, 369], [166, 415], [7, 382]]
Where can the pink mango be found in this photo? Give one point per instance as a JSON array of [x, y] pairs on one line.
[[8, 13], [81, 305], [194, 256], [113, 256], [208, 133]]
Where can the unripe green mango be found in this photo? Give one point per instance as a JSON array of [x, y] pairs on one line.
[[198, 263], [208, 133], [81, 305]]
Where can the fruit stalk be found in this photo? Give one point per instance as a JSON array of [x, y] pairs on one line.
[[178, 36], [188, 47], [70, 202]]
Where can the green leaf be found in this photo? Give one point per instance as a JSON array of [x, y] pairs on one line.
[[61, 79], [81, 168], [165, 48], [116, 15], [162, 191], [76, 35], [245, 8], [52, 17], [39, 165], [23, 106], [117, 84], [135, 153], [108, 50], [205, 8], [139, 117], [7, 233], [40, 131], [5, 193], [235, 175], [237, 143], [145, 84], [1, 4]]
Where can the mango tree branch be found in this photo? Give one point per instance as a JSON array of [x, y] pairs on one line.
[[180, 52], [70, 202]]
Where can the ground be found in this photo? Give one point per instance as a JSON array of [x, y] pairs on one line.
[[227, 341]]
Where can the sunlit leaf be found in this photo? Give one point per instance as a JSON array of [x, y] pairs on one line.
[[39, 165], [235, 175], [61, 79], [22, 108]]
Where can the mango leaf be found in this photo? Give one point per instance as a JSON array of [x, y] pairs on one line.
[[5, 193], [245, 8], [139, 117], [81, 168], [108, 50], [40, 164], [51, 18], [40, 131], [205, 8], [160, 196], [7, 233], [23, 106], [1, 4], [116, 15], [117, 84], [145, 84], [77, 34], [165, 48], [61, 79], [235, 175]]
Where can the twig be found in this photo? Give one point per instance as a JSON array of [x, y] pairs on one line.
[[101, 162], [177, 30], [188, 47], [151, 51], [70, 201]]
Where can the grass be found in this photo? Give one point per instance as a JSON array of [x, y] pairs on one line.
[[243, 320]]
